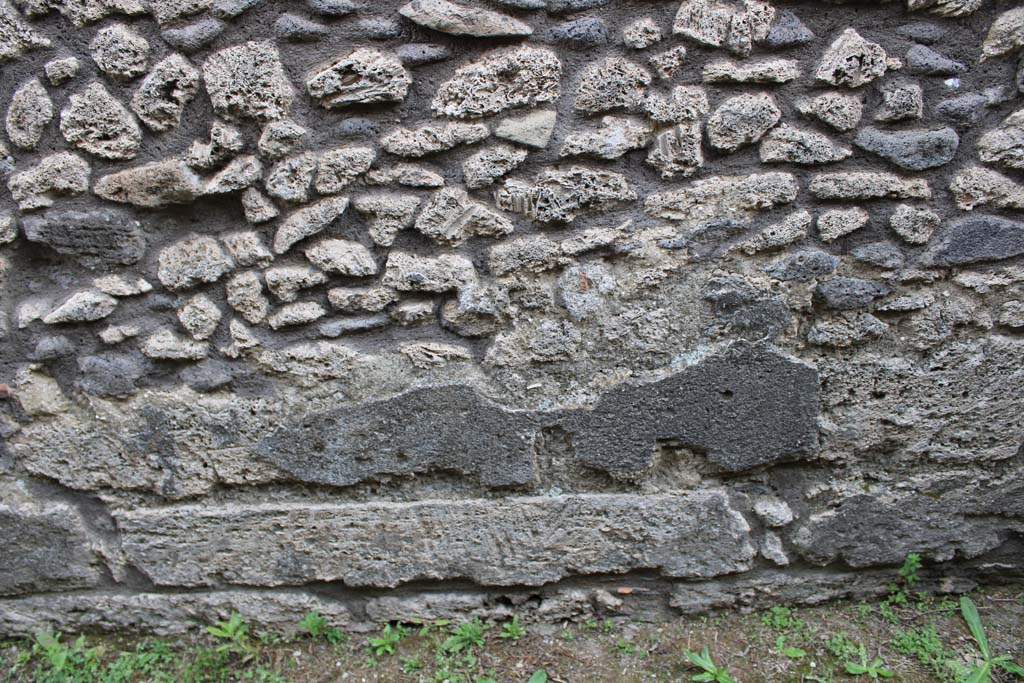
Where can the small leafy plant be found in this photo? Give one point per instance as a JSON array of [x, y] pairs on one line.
[[389, 638], [465, 636], [233, 636], [709, 670], [317, 626], [788, 650], [982, 671], [511, 630], [539, 676], [874, 669]]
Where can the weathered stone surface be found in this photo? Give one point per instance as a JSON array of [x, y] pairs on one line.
[[193, 261], [28, 114], [788, 31], [301, 313], [225, 140], [248, 81], [846, 330], [411, 273], [976, 239], [612, 83], [1005, 145], [786, 144], [533, 130], [484, 167], [298, 29], [706, 199], [976, 186], [923, 60], [769, 71], [120, 52], [1006, 34], [194, 37], [946, 8], [615, 136], [291, 180], [245, 295], [151, 185], [914, 225], [647, 533], [242, 172], [451, 217], [732, 24], [344, 257], [790, 230], [848, 293], [803, 266], [868, 185], [516, 77], [641, 34], [257, 206], [742, 120], [389, 213], [851, 61], [336, 169], [561, 195], [461, 20], [83, 306], [16, 36], [752, 423], [164, 614], [49, 548], [900, 100], [916, 150], [165, 92], [839, 222], [60, 71], [363, 76], [167, 345], [841, 111], [587, 32], [863, 531], [94, 238], [433, 138], [94, 121], [677, 151], [58, 175], [308, 221], [280, 138]]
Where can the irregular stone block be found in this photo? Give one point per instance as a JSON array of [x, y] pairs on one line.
[[96, 122], [677, 151], [848, 293], [770, 71], [740, 196], [430, 139], [611, 84], [58, 175], [533, 130], [1005, 35], [363, 76], [916, 150], [517, 77], [16, 36], [451, 217], [308, 221], [914, 225], [248, 81], [84, 306], [460, 20], [852, 61], [119, 52], [193, 261], [48, 548], [562, 195], [344, 257], [388, 544], [154, 185], [839, 222], [194, 37], [742, 120], [842, 112], [420, 431], [336, 169], [976, 239], [95, 238], [411, 273], [976, 186], [484, 167], [1005, 144], [165, 92], [28, 114], [389, 214], [786, 144], [732, 24], [615, 136], [759, 407], [868, 185]]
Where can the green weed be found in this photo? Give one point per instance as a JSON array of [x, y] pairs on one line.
[[874, 669], [987, 663], [710, 672], [511, 630], [389, 638]]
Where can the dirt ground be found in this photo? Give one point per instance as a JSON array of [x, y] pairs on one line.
[[778, 646]]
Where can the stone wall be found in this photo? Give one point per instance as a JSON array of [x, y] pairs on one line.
[[407, 310]]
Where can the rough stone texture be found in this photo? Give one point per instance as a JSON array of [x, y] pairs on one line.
[[517, 77], [729, 305], [247, 81], [94, 121], [362, 77], [553, 538]]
